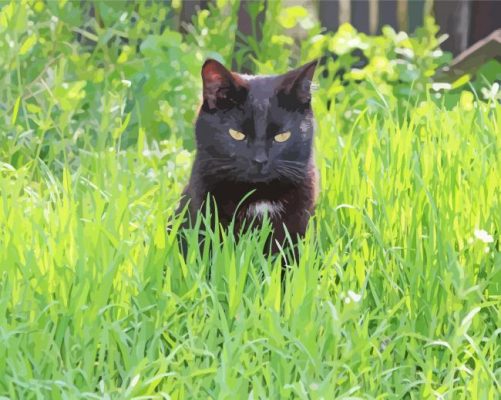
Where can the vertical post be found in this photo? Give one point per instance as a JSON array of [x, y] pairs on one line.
[[360, 15], [416, 13], [387, 14], [402, 15], [328, 14], [485, 18], [373, 16], [453, 17], [344, 11]]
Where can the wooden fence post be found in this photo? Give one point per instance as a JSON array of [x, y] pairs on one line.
[[453, 17], [485, 18], [387, 13], [360, 15], [328, 14], [416, 14], [369, 16]]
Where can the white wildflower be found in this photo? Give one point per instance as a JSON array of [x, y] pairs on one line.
[[354, 296], [134, 381], [437, 53], [483, 236], [441, 86]]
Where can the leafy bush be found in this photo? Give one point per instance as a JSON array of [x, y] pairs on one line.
[[75, 82], [100, 74]]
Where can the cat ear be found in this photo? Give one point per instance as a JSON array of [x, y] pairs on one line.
[[221, 87], [296, 84]]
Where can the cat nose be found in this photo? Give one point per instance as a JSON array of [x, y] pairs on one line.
[[260, 160]]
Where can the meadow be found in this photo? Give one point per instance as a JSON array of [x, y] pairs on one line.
[[397, 292]]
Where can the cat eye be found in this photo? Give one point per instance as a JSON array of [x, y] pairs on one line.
[[282, 137], [236, 135]]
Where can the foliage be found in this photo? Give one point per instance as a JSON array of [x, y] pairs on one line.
[[79, 82], [398, 288]]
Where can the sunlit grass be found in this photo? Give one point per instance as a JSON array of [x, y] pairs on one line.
[[393, 294]]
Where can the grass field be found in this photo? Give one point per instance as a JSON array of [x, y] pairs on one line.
[[397, 293]]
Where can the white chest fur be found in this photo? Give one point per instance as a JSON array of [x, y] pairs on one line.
[[261, 208]]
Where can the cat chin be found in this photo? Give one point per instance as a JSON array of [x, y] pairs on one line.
[[269, 182], [260, 179]]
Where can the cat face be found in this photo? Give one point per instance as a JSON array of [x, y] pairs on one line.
[[255, 128]]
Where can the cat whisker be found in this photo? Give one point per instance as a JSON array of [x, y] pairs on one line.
[[293, 163], [293, 168], [222, 171], [294, 174]]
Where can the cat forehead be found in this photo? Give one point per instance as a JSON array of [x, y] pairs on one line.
[[262, 87]]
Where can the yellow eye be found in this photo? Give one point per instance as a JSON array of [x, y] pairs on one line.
[[282, 137], [237, 135]]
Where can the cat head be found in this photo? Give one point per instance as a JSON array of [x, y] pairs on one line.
[[255, 128]]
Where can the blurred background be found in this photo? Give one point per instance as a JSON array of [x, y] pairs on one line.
[[88, 74]]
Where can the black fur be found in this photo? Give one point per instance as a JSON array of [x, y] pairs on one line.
[[227, 170]]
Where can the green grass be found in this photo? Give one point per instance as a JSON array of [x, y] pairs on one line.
[[95, 297], [394, 295]]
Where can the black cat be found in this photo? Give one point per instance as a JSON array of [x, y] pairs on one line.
[[254, 135]]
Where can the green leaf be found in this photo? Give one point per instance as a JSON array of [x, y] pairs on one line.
[[28, 44], [15, 111]]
